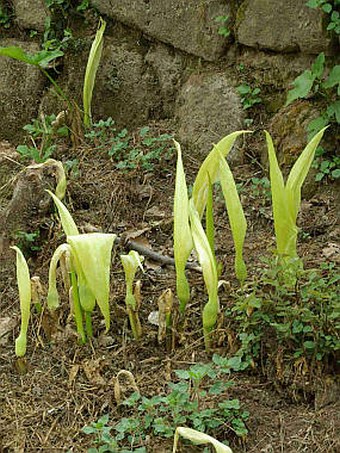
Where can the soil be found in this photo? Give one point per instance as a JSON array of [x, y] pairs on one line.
[[61, 386]]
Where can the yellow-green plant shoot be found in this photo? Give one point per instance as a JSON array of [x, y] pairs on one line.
[[24, 285], [210, 169], [131, 262], [199, 438], [92, 260], [237, 219], [183, 244], [89, 261], [208, 264], [91, 71], [67, 222], [286, 198]]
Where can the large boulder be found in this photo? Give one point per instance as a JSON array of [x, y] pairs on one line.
[[208, 109], [21, 86], [188, 25], [282, 26], [30, 14]]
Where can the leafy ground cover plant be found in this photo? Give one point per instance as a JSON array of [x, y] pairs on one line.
[[190, 402], [43, 133], [249, 95], [279, 326], [223, 28], [131, 151], [329, 7], [316, 81]]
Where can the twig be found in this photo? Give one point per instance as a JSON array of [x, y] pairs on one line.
[[162, 259]]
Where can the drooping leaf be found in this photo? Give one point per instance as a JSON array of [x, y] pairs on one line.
[[24, 286], [183, 244], [93, 255], [198, 438], [40, 59], [91, 71]]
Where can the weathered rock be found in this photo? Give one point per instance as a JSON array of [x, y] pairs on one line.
[[29, 203], [168, 68], [188, 25], [282, 26], [21, 86], [9, 166], [30, 14], [208, 109]]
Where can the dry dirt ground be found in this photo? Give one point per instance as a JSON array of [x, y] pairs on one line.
[[62, 386]]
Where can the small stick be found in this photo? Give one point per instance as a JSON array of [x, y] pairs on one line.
[[162, 259]]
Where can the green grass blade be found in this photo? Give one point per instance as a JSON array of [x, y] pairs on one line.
[[91, 71], [237, 219], [25, 295], [183, 244]]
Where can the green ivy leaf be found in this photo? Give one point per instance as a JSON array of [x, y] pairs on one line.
[[302, 86], [333, 78], [318, 66]]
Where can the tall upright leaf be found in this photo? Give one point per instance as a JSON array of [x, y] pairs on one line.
[[237, 219], [182, 235], [286, 198], [24, 285], [208, 264], [91, 71], [210, 168], [67, 222]]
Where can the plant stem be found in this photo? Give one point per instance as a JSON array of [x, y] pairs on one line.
[[88, 324], [78, 313]]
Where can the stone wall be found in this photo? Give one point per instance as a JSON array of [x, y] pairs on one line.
[[165, 60]]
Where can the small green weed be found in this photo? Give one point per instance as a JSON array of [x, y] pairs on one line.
[[329, 7], [223, 29], [5, 17], [129, 152], [191, 402], [300, 321], [27, 241], [249, 95], [43, 132], [327, 165], [315, 81]]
